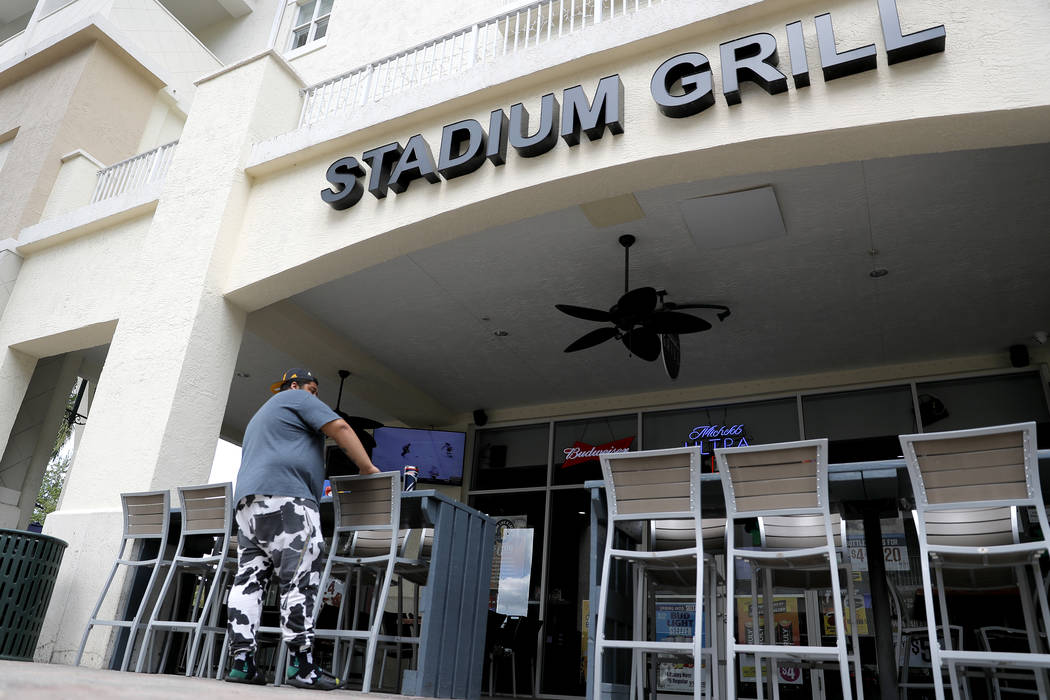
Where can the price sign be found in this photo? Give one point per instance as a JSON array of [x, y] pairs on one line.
[[894, 545]]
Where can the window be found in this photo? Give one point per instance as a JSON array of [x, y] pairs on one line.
[[981, 401], [311, 22], [507, 458], [761, 422], [860, 425], [576, 444]]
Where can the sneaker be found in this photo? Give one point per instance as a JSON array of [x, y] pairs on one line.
[[244, 671], [304, 674]]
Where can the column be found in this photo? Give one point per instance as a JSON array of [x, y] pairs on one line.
[[162, 393]]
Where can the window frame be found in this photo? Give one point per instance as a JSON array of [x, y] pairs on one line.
[[310, 24]]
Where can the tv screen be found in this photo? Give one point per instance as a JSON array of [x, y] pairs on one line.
[[438, 454]]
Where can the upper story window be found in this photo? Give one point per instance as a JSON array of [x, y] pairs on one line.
[[311, 22]]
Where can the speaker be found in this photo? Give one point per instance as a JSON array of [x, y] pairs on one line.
[[1019, 355], [480, 417]]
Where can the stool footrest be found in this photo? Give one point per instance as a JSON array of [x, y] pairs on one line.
[[115, 623], [786, 651], [173, 624], [682, 647], [996, 658]]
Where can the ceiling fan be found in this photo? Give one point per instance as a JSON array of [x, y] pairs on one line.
[[338, 463], [642, 319]]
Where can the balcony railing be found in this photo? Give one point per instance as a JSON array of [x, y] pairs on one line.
[[134, 173], [447, 56]]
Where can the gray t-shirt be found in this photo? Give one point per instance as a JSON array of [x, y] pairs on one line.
[[283, 450]]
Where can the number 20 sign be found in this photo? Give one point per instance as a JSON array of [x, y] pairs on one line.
[[894, 545]]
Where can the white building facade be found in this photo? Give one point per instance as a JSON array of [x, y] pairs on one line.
[[863, 182]]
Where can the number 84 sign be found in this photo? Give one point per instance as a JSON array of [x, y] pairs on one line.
[[894, 545]]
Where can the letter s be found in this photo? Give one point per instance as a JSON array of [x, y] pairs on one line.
[[345, 174]]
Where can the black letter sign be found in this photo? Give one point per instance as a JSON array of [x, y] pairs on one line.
[[344, 174], [607, 111], [839, 65], [380, 160], [915, 45], [453, 159], [416, 161], [546, 136], [694, 72], [751, 58]]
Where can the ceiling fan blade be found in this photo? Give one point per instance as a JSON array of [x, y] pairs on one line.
[[636, 303], [675, 322], [723, 310], [589, 340], [672, 354], [644, 343], [584, 313]]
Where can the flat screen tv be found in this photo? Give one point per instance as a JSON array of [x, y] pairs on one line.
[[438, 454]]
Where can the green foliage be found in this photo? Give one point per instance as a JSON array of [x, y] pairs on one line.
[[50, 489], [57, 465]]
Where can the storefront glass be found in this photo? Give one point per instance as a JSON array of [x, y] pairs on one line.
[[860, 425], [983, 401], [760, 422], [506, 458], [564, 652], [527, 466], [576, 442]]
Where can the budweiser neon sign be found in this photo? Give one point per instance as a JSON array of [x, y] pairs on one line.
[[581, 452]]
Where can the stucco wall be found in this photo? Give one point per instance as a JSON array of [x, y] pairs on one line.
[[358, 34], [166, 41], [239, 37], [36, 105], [91, 100], [79, 283], [294, 241]]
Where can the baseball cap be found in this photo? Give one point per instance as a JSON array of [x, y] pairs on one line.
[[302, 374]]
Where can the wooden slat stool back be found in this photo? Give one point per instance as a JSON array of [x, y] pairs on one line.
[[786, 485], [655, 485], [206, 513], [968, 486], [145, 519], [367, 513]]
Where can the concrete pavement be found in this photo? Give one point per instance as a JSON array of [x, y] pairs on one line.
[[24, 680]]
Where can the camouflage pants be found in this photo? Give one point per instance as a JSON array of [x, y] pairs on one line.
[[282, 535]]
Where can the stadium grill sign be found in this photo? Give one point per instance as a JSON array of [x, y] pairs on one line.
[[682, 86]]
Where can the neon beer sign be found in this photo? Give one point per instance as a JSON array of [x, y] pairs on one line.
[[710, 437]]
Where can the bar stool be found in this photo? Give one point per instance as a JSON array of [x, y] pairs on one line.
[[642, 487], [367, 512], [786, 486], [674, 534], [145, 519], [205, 515], [968, 486]]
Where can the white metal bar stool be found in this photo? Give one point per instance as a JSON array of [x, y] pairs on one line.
[[367, 511], [675, 534], [968, 486], [783, 480], [205, 514], [656, 485], [145, 518]]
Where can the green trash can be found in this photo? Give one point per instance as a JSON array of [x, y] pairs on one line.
[[28, 570]]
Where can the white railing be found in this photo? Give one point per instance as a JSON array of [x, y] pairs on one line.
[[135, 172], [447, 56]]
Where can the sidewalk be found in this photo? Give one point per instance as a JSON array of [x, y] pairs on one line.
[[21, 680]]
